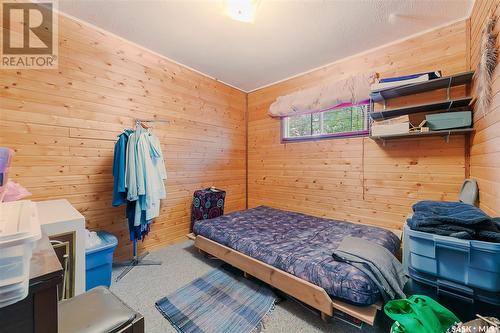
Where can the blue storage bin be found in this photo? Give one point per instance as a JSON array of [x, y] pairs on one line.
[[472, 263], [99, 261]]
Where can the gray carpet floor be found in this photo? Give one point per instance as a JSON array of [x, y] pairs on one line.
[[182, 263]]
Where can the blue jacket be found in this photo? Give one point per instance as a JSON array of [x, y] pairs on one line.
[[119, 163]]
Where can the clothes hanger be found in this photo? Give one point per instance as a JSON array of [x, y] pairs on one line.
[[146, 123]]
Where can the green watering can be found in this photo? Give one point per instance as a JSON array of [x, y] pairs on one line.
[[419, 314]]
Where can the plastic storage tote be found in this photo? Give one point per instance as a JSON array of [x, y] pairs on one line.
[[449, 120], [463, 304], [99, 261], [472, 263], [19, 231]]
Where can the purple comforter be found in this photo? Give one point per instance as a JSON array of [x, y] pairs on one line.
[[301, 245]]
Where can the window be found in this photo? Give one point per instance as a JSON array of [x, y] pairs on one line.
[[339, 122]]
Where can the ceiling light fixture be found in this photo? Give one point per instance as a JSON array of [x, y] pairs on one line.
[[241, 10]]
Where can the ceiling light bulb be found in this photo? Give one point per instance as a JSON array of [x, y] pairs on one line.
[[241, 10]]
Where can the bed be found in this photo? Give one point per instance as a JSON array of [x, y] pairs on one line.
[[298, 247]]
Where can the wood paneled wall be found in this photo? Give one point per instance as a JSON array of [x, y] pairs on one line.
[[356, 179], [485, 143], [63, 125]]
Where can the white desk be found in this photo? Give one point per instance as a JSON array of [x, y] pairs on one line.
[[60, 217]]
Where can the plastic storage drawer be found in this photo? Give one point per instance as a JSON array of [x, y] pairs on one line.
[[456, 290], [464, 302], [472, 263], [19, 231], [99, 261]]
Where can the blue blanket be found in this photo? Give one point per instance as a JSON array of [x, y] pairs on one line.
[[455, 219], [439, 212]]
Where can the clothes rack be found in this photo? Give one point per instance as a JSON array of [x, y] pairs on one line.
[[135, 261], [143, 122], [138, 260]]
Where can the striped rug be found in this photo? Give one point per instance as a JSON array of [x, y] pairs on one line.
[[220, 301]]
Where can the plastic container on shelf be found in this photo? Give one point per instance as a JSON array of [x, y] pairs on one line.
[[99, 261], [19, 231], [449, 120], [471, 263]]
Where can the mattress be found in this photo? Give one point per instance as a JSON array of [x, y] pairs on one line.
[[301, 245]]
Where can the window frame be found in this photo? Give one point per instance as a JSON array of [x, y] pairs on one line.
[[352, 134]]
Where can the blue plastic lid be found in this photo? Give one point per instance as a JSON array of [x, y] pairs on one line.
[[108, 240]]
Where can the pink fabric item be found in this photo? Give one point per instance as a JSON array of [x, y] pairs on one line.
[[14, 191]]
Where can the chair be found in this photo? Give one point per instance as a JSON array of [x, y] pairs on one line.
[[98, 311]]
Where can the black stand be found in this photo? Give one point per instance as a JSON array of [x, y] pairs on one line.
[[135, 261]]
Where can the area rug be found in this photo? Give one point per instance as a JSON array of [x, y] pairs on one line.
[[220, 301]]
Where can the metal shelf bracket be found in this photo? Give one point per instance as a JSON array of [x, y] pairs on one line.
[[448, 90], [447, 137]]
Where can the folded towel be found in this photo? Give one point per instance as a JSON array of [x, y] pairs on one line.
[[378, 263]]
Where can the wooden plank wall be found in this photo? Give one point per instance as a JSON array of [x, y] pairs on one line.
[[63, 125], [485, 143], [356, 179]]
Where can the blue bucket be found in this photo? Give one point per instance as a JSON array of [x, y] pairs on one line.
[[99, 261]]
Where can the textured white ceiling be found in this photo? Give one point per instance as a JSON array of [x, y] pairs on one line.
[[287, 37]]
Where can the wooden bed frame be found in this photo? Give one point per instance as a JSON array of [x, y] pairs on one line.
[[302, 290]]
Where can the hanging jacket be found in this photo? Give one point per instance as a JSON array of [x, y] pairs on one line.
[[136, 232], [156, 175], [134, 189], [150, 171], [144, 175], [119, 165]]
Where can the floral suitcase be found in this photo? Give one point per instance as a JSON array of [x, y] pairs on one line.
[[207, 204]]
